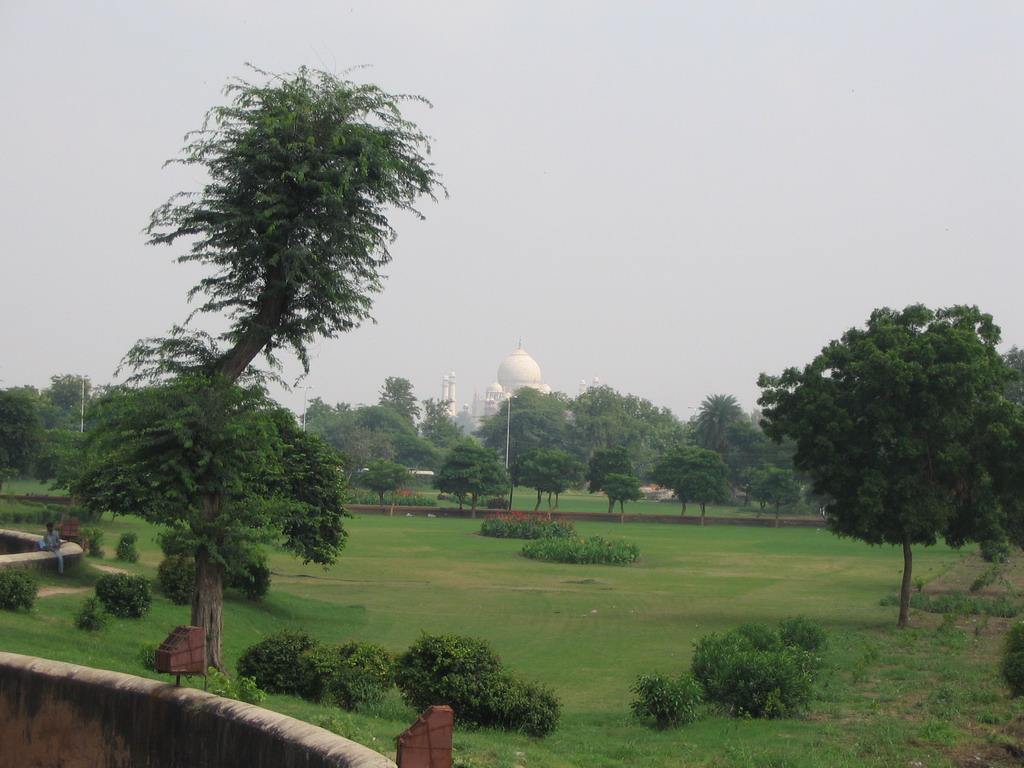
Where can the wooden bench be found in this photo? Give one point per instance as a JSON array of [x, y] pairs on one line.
[[68, 531]]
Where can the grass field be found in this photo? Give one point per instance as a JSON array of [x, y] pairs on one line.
[[401, 576]]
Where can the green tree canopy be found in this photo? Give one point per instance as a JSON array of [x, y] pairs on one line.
[[471, 470], [604, 462], [64, 402], [538, 420], [437, 426], [384, 476], [163, 452], [717, 413], [905, 425], [550, 471], [621, 488], [303, 171], [21, 432], [397, 394], [777, 488], [1014, 360], [695, 474], [601, 419]]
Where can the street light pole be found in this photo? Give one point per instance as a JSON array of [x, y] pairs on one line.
[[81, 420], [305, 392]]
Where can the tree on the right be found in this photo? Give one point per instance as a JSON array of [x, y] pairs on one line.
[[905, 425]]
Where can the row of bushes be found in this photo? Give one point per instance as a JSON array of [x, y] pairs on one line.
[[960, 603], [462, 672], [522, 525], [753, 670], [363, 497], [33, 513]]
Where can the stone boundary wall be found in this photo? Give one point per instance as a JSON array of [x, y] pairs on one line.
[[55, 714], [21, 550], [690, 518]]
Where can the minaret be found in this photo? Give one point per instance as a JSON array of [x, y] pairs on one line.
[[451, 394]]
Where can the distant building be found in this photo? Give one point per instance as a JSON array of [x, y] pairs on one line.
[[516, 371]]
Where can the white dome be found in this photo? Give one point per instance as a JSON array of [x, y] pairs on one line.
[[519, 370], [494, 387]]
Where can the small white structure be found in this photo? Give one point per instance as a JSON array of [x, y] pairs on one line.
[[516, 371]]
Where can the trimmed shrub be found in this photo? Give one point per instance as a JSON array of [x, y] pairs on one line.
[[669, 701], [273, 663], [447, 669], [746, 680], [525, 706], [365, 674], [92, 616], [464, 673], [176, 576], [1012, 667], [801, 632], [350, 676], [93, 536], [126, 550], [18, 589], [124, 596], [317, 665]]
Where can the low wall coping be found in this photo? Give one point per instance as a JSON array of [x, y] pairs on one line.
[[100, 686], [33, 558]]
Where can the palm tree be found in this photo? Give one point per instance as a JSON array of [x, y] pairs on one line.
[[716, 413]]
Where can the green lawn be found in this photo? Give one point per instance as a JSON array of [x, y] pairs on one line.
[[586, 631]]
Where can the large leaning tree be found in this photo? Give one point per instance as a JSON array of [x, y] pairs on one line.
[[904, 424], [302, 172]]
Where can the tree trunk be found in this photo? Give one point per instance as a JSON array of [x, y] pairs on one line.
[[776, 517], [538, 502], [908, 565], [702, 514], [208, 596], [611, 505], [208, 605], [273, 302]]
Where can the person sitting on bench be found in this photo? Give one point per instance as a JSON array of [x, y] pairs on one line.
[[51, 542]]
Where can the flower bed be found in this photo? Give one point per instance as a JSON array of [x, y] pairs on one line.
[[576, 550], [520, 525]]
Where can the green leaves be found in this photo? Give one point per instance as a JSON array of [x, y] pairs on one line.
[[471, 470], [302, 172], [695, 474], [896, 422], [218, 460]]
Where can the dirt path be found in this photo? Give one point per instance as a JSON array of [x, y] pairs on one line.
[[48, 591]]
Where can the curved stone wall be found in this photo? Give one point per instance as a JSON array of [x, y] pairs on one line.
[[56, 714], [21, 550]]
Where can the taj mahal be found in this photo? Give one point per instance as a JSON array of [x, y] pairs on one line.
[[516, 371]]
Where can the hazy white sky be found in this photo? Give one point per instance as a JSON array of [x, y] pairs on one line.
[[672, 196]]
